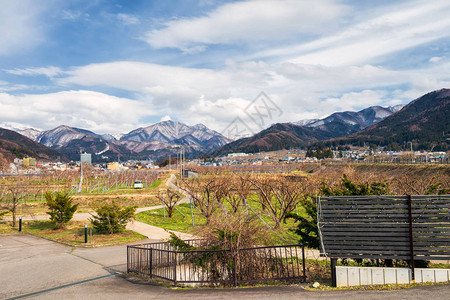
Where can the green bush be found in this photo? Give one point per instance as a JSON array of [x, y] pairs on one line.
[[61, 208], [307, 224], [112, 218], [350, 188]]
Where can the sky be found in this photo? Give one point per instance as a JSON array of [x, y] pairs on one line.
[[112, 66]]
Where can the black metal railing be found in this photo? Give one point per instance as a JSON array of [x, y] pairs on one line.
[[230, 267]]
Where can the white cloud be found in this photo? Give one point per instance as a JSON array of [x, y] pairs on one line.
[[355, 100], [382, 31], [84, 109], [47, 71], [166, 118], [72, 15], [128, 19], [20, 28], [436, 59], [247, 22], [216, 97]]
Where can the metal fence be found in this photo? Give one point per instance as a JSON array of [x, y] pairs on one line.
[[200, 267]]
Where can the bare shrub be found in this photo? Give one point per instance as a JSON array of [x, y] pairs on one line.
[[226, 235], [233, 231]]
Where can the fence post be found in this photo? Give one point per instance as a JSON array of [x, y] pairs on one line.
[[20, 224], [175, 268], [151, 263], [411, 240], [333, 272], [128, 259]]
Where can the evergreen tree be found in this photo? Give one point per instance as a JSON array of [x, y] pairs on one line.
[[112, 218], [61, 208]]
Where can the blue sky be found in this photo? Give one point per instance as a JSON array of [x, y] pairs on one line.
[[112, 66]]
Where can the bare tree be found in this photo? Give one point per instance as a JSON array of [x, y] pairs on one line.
[[203, 194], [170, 198], [239, 190], [10, 198], [278, 195]]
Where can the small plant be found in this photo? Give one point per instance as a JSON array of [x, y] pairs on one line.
[[61, 209], [112, 218]]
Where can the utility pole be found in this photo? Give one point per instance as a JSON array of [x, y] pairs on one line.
[[81, 175], [411, 146]]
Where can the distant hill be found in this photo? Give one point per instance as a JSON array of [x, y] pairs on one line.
[[278, 136], [425, 122], [305, 132], [13, 144]]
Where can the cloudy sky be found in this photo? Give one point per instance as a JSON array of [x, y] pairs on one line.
[[111, 66]]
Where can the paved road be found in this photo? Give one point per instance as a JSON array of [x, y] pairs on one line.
[[45, 270]]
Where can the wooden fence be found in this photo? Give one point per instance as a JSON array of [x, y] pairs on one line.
[[385, 227]]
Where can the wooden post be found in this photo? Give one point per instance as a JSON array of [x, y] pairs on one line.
[[411, 240], [175, 268]]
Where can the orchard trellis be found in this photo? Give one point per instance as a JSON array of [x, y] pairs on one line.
[[33, 188], [115, 180]]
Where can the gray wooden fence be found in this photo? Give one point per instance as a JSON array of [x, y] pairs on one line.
[[385, 227], [379, 226]]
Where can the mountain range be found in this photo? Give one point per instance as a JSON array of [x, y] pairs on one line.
[[13, 144], [423, 122], [347, 122], [155, 141], [306, 132]]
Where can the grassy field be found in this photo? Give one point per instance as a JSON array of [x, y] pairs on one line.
[[87, 202], [181, 223], [73, 234]]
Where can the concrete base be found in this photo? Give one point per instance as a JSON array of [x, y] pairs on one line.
[[353, 276]]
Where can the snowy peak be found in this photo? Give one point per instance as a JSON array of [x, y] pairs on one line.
[[358, 119], [30, 133], [305, 122], [63, 135], [348, 122], [176, 132]]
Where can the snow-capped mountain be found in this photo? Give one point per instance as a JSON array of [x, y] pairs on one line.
[[178, 133], [305, 122], [62, 135], [154, 141], [347, 122]]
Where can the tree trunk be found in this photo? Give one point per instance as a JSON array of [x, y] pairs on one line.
[[14, 217]]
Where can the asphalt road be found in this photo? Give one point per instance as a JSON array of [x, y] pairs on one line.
[[32, 267]]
